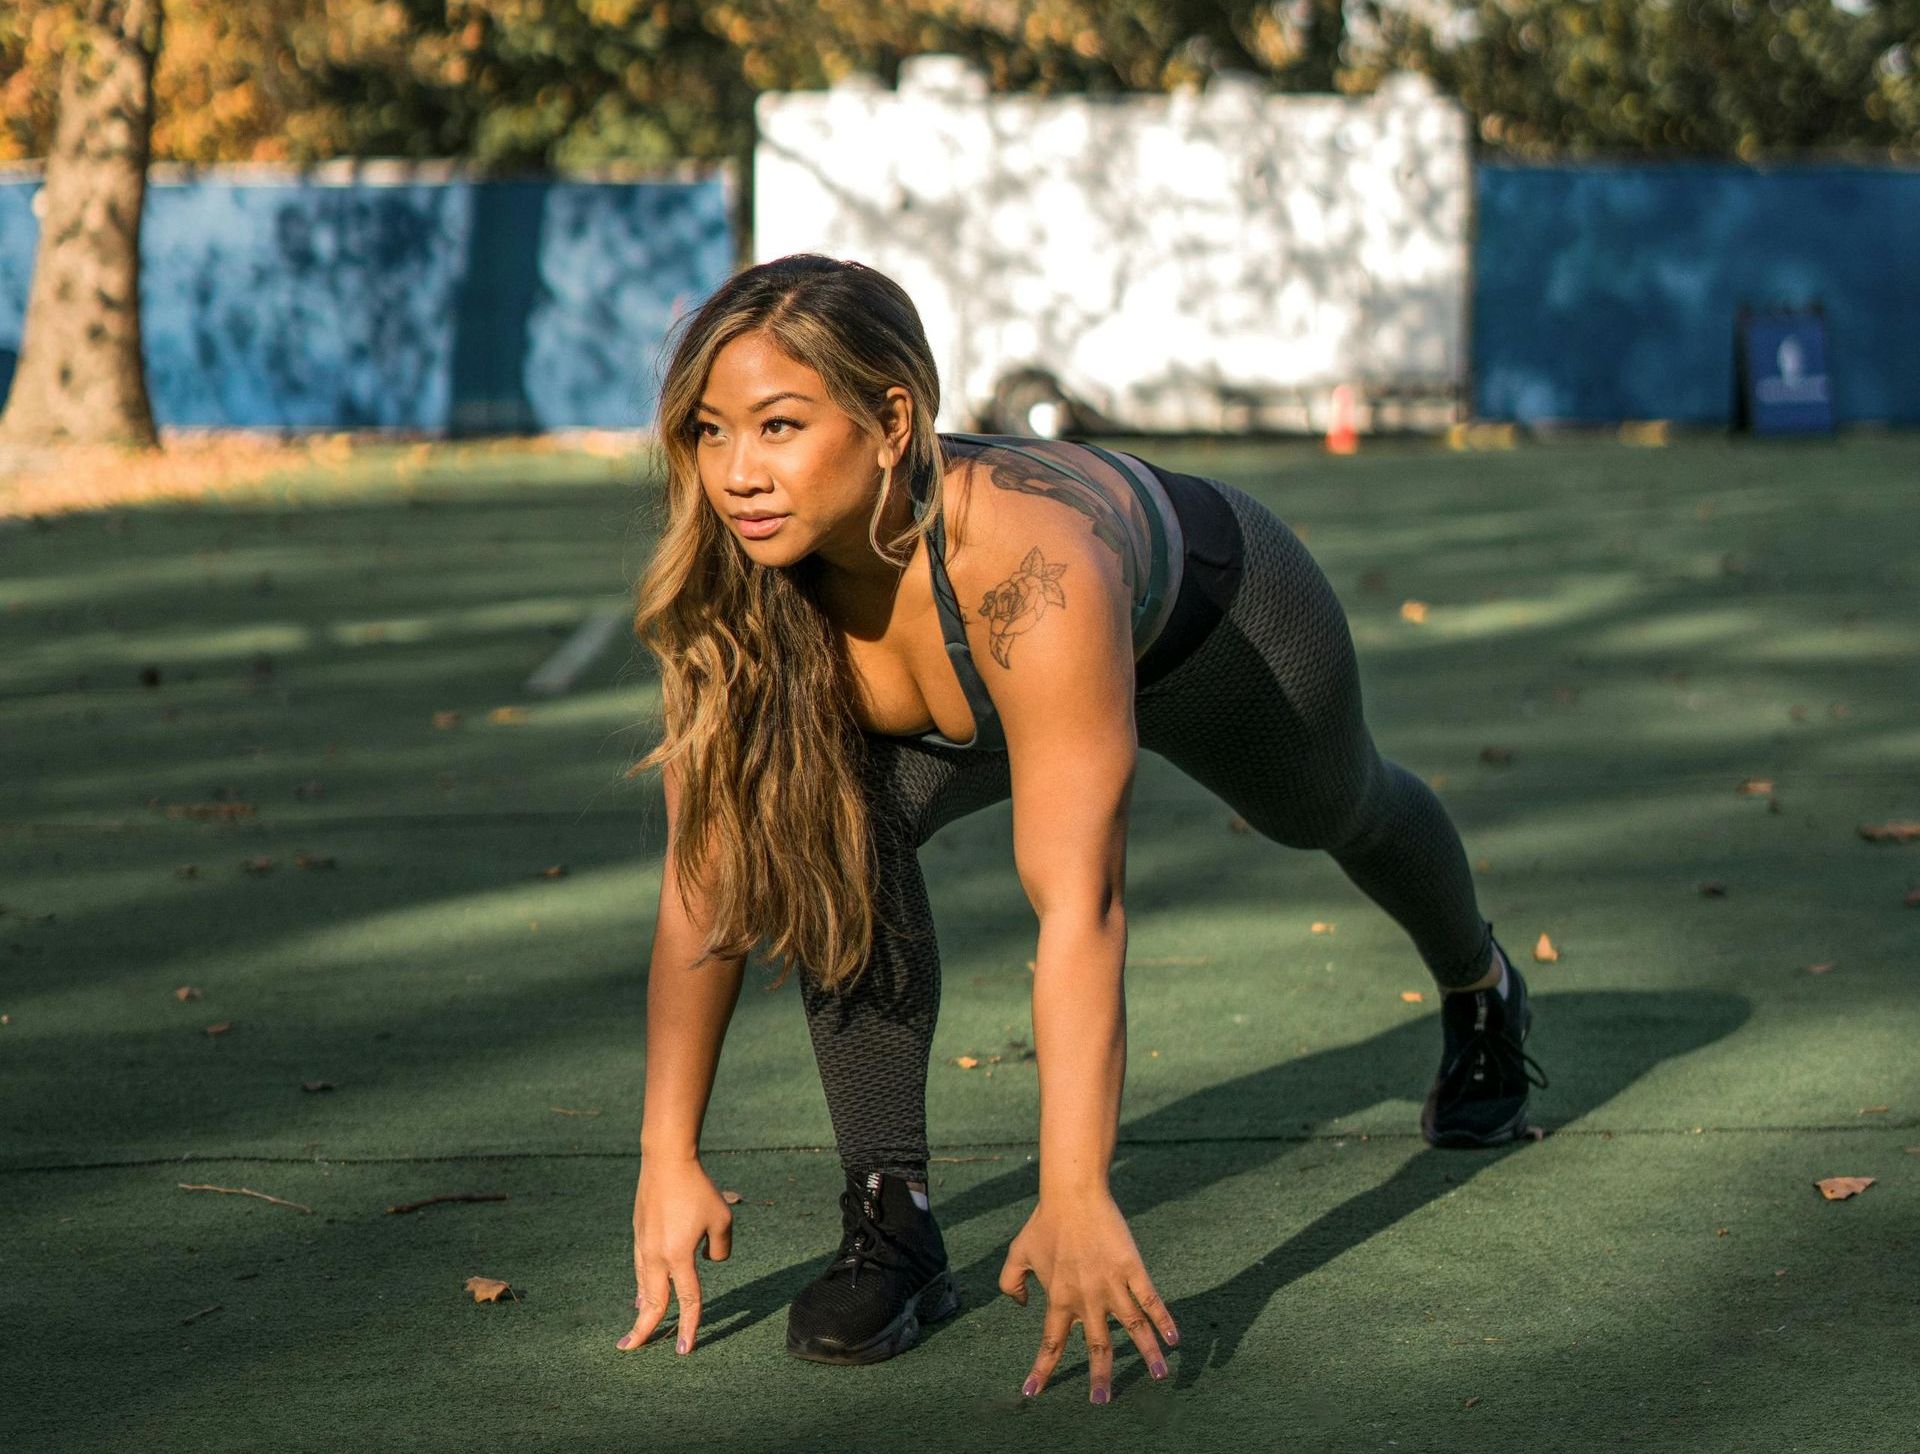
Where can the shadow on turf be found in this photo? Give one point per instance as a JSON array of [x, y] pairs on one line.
[[1593, 1045]]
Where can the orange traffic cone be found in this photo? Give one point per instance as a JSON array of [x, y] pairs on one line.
[[1341, 438]]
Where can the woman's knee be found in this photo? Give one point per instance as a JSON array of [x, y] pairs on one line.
[[1327, 800]]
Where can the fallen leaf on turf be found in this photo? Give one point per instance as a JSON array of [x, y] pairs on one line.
[[1239, 825], [316, 1085], [965, 1062], [1498, 756], [1411, 997], [219, 1028], [1900, 832], [1415, 611], [1839, 1188], [731, 1198], [1544, 952], [1825, 966], [1754, 786], [508, 716], [554, 870], [1713, 889], [187, 992], [446, 720], [1874, 1110], [313, 860], [487, 1289], [225, 812], [1471, 1401], [263, 863], [1719, 1231], [1912, 900], [1320, 926]]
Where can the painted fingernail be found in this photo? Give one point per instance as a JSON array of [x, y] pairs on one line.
[[1030, 1387], [1173, 1338], [1100, 1395], [681, 1346], [626, 1342], [1158, 1370]]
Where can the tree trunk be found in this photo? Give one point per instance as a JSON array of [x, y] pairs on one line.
[[1326, 32], [81, 377]]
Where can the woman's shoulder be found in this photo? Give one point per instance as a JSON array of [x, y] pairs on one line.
[[1008, 498], [1067, 474]]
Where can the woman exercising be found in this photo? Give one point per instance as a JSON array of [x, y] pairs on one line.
[[866, 630]]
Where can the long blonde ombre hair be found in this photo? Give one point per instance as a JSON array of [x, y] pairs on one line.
[[772, 827]]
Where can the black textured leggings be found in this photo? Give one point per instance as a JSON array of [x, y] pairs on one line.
[[1264, 711]]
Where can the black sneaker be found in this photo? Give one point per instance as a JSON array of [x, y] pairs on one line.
[[888, 1279], [1479, 1097]]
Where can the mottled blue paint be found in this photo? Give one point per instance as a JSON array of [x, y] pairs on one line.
[[1610, 292], [1600, 293], [458, 307]]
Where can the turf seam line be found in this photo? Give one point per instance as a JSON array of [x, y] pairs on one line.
[[1302, 1138]]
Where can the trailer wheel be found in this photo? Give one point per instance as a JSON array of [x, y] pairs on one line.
[[1031, 403]]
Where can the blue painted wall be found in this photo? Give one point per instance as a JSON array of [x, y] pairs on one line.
[[458, 306], [1600, 293], [1605, 293]]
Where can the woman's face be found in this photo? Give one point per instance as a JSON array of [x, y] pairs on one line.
[[770, 442]]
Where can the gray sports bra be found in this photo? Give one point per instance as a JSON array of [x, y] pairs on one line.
[[1149, 613]]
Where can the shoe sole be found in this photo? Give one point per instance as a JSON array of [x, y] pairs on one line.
[[1514, 1129], [943, 1300]]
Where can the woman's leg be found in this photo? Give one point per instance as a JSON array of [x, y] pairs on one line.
[[873, 1042], [1267, 714], [889, 1276]]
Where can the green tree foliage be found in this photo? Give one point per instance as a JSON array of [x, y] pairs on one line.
[[1729, 78], [607, 83], [577, 84]]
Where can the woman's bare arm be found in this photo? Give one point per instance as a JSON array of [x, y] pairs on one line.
[[676, 1206], [689, 1004]]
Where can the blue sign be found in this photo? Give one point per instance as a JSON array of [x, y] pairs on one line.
[[1784, 382]]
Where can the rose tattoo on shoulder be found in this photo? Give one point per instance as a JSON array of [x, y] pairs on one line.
[[1012, 607]]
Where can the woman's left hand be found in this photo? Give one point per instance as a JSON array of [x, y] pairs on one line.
[[1078, 1245]]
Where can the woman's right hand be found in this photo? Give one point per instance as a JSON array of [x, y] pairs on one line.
[[674, 1207]]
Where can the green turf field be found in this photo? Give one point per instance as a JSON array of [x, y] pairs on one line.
[[225, 771]]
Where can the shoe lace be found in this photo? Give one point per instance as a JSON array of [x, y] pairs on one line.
[[866, 1242], [1484, 1043]]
